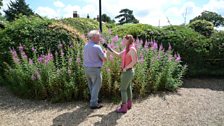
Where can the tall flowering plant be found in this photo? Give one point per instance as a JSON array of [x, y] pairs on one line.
[[56, 77], [157, 68]]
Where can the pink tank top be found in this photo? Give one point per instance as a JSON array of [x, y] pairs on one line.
[[126, 58]]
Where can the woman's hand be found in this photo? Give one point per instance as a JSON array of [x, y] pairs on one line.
[[124, 70]]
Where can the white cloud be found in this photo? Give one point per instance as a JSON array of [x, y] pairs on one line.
[[47, 12], [147, 11], [59, 4], [5, 5]]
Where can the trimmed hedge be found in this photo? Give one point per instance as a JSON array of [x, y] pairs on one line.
[[83, 25], [194, 48]]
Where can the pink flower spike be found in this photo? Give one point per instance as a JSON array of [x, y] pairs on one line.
[[21, 48], [33, 49], [178, 58], [161, 47], [115, 39], [30, 61], [170, 47]]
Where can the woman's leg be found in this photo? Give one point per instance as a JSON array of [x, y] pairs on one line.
[[129, 92], [126, 91]]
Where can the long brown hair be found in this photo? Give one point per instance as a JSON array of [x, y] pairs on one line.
[[130, 42]]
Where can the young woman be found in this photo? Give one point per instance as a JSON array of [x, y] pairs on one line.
[[129, 59]]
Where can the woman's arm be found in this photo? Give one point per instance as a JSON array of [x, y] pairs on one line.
[[134, 57], [119, 54]]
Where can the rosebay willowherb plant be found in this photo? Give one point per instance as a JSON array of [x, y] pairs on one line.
[[56, 78], [60, 77]]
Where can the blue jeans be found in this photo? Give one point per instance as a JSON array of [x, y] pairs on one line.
[[94, 78]]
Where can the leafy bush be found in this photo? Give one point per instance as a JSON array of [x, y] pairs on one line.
[[83, 25], [203, 27], [192, 46], [141, 31], [43, 34]]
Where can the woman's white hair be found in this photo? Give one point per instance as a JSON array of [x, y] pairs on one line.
[[92, 33]]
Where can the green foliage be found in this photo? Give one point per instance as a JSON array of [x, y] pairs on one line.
[[142, 31], [83, 25], [61, 77], [213, 17], [126, 16], [203, 27], [107, 19], [19, 7], [192, 46], [1, 6], [43, 34]]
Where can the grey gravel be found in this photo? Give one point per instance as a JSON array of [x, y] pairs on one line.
[[200, 102]]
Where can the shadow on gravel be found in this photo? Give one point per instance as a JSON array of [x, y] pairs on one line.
[[212, 84], [109, 120], [72, 118]]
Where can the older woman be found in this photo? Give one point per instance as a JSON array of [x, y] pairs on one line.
[[129, 59]]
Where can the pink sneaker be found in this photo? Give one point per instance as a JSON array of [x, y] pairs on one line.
[[129, 104], [122, 109]]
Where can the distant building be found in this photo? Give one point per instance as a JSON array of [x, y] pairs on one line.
[[75, 14]]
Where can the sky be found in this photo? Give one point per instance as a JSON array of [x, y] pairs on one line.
[[154, 12]]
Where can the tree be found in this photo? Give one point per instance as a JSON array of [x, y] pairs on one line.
[[107, 19], [213, 17], [126, 16], [203, 27], [16, 8], [0, 6], [88, 16]]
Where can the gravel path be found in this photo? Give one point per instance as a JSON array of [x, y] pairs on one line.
[[198, 103]]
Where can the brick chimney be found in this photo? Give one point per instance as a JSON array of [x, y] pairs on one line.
[[75, 14]]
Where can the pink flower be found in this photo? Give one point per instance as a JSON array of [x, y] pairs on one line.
[[111, 57], [30, 61], [115, 39], [48, 58], [178, 58], [170, 47], [21, 48], [62, 53], [33, 49], [161, 47], [14, 56], [155, 46], [40, 59]]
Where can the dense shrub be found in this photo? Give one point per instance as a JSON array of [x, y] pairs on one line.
[[192, 46], [203, 27], [43, 34], [141, 31], [83, 25]]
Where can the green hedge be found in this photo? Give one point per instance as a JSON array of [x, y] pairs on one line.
[[195, 49], [43, 34], [83, 25]]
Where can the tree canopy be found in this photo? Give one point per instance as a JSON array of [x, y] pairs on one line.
[[213, 17], [106, 18], [16, 8], [126, 16]]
